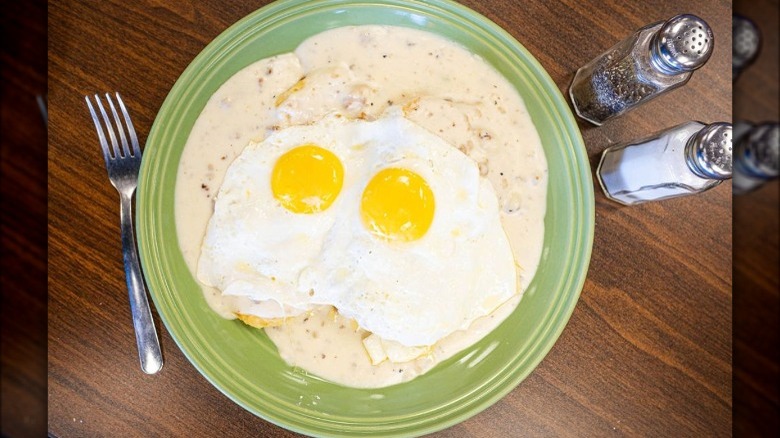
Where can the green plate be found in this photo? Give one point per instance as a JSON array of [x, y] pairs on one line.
[[243, 363]]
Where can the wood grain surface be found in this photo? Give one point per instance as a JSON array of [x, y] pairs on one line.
[[22, 219], [647, 351], [756, 251]]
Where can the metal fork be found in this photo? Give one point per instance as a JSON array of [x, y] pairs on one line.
[[122, 165]]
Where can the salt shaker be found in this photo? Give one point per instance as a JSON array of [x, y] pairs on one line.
[[683, 160], [654, 60], [745, 42], [756, 152]]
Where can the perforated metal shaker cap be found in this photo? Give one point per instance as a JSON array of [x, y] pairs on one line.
[[745, 41], [709, 151], [760, 150], [684, 43]]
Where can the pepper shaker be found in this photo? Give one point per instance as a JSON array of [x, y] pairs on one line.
[[757, 148], [654, 60], [686, 159], [745, 44]]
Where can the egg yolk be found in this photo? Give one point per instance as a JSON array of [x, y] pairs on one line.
[[397, 205], [307, 179]]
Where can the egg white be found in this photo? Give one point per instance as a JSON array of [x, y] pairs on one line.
[[413, 293]]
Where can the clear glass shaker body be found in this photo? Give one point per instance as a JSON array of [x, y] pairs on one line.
[[665, 165], [654, 60]]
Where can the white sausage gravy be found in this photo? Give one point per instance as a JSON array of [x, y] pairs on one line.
[[362, 71]]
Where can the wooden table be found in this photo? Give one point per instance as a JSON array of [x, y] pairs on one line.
[[647, 350], [22, 219], [756, 252]]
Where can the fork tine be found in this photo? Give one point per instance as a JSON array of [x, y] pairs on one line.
[[109, 127], [129, 123], [99, 128], [119, 127]]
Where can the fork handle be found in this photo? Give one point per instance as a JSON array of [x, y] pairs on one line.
[[145, 333]]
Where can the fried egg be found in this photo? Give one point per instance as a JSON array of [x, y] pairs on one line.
[[383, 220]]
